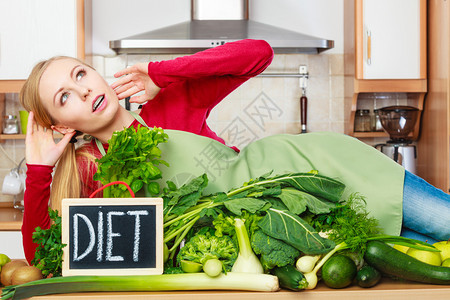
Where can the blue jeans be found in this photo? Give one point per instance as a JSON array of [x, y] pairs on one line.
[[426, 210]]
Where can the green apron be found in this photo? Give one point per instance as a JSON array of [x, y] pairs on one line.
[[360, 167]]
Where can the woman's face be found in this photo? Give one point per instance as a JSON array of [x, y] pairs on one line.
[[77, 97]]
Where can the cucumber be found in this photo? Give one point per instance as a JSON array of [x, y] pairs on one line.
[[290, 278], [390, 261], [367, 276]]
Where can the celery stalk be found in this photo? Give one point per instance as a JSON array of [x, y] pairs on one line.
[[140, 283]]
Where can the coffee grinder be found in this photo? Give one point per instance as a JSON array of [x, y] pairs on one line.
[[399, 122]]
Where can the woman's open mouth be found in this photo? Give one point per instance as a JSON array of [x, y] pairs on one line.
[[99, 103]]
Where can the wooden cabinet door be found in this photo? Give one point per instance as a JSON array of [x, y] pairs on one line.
[[391, 39], [32, 30]]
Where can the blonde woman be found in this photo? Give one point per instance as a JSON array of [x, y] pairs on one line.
[[66, 95]]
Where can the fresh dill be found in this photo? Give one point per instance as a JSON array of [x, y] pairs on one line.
[[349, 222]]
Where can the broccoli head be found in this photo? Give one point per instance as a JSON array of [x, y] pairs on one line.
[[273, 252], [202, 247]]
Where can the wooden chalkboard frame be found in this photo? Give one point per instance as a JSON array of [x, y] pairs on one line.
[[159, 235]]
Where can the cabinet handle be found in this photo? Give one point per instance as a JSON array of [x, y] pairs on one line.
[[369, 47]]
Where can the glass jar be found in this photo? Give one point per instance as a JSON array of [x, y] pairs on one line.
[[10, 124], [363, 120], [376, 126]]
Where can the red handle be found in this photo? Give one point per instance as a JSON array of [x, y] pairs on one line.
[[112, 183], [303, 112]]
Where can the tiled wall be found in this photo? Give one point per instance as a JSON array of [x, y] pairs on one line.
[[268, 105], [261, 107]]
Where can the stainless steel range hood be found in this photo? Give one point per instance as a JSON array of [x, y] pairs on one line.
[[207, 29]]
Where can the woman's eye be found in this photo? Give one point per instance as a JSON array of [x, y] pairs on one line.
[[64, 97], [80, 74]]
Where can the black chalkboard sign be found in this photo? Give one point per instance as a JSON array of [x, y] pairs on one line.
[[119, 236]]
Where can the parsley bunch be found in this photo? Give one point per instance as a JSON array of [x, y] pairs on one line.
[[133, 157], [49, 255]]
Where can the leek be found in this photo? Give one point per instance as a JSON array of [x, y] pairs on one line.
[[143, 283]]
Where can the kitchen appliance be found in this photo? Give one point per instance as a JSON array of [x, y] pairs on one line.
[[215, 22], [14, 184], [399, 122]]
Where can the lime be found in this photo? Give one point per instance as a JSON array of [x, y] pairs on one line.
[[4, 259], [446, 263], [190, 266], [338, 271], [429, 257], [444, 246]]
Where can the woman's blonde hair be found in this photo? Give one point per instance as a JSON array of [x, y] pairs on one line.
[[66, 180]]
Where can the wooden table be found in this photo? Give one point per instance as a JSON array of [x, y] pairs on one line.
[[387, 289], [11, 220]]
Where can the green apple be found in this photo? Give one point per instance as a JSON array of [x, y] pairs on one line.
[[4, 259], [429, 257], [446, 263], [444, 246]]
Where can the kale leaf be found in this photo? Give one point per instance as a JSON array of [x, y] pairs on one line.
[[273, 252]]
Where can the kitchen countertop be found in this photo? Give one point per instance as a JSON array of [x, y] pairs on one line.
[[387, 289], [10, 218]]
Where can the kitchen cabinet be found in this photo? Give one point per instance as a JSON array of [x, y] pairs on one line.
[[391, 40], [434, 142], [31, 31], [384, 52]]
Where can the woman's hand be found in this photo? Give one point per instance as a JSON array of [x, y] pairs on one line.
[[136, 79], [41, 148]]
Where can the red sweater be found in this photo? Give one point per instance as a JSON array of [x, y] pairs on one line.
[[190, 88]]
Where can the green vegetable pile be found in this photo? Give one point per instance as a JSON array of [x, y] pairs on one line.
[[272, 224], [271, 207], [283, 216], [133, 157]]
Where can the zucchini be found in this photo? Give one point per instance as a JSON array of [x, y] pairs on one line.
[[390, 261], [367, 276], [290, 278]]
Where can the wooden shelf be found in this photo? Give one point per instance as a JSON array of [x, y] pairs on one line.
[[370, 134], [11, 86], [390, 86], [419, 102], [4, 137], [12, 136]]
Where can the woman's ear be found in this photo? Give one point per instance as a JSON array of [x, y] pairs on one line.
[[62, 129]]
